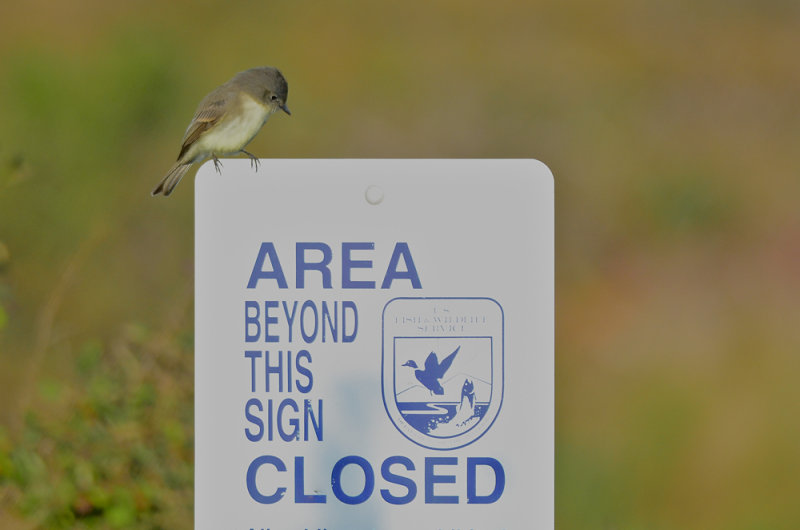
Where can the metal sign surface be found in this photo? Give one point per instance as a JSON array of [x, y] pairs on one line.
[[374, 345]]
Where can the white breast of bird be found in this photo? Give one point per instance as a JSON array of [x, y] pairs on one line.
[[235, 130]]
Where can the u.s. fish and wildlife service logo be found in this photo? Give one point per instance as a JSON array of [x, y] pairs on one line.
[[442, 374]]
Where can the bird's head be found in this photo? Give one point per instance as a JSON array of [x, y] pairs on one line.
[[411, 364], [276, 102], [276, 89]]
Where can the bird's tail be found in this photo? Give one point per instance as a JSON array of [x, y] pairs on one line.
[[171, 179]]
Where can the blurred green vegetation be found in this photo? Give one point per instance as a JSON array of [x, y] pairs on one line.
[[109, 443], [672, 129]]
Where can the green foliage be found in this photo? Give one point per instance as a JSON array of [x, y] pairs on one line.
[[72, 123], [96, 102], [109, 445], [673, 205]]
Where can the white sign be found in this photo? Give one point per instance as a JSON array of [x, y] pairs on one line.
[[374, 345]]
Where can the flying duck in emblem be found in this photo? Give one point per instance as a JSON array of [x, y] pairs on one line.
[[433, 372]]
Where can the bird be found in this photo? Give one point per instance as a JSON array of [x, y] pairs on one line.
[[434, 370], [227, 119]]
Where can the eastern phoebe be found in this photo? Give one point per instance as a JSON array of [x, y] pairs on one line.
[[228, 119]]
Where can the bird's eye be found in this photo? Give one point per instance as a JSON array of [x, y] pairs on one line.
[[273, 97]]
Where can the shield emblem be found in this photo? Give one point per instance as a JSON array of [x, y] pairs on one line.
[[442, 368]]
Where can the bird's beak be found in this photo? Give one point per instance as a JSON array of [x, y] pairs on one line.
[[285, 109]]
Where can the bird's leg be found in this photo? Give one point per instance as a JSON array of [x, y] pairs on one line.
[[217, 164], [253, 159]]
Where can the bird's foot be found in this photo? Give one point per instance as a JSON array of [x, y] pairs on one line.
[[217, 164], [254, 161]]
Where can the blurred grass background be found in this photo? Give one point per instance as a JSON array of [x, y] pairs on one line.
[[672, 129]]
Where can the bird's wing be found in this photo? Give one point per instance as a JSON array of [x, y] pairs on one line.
[[445, 364], [432, 364], [209, 112]]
